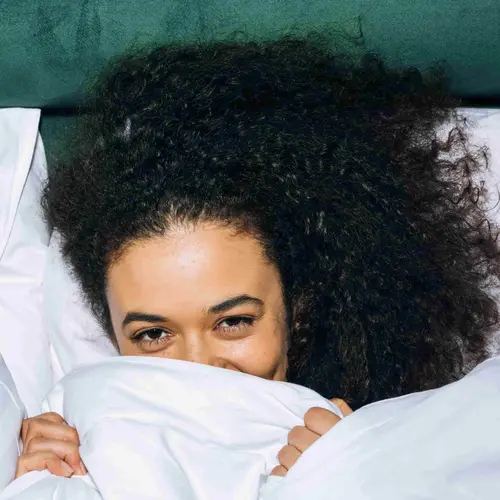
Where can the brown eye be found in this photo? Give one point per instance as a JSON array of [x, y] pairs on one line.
[[235, 323], [151, 335]]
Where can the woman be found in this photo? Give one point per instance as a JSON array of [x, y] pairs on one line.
[[278, 210]]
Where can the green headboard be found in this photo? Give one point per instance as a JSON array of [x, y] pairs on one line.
[[48, 48]]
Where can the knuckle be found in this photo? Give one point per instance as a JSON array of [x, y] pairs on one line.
[[34, 461], [24, 429], [279, 470], [73, 454], [34, 425], [25, 425], [51, 415], [296, 433], [283, 453], [34, 428], [73, 435], [311, 415], [287, 456], [288, 451], [33, 444]]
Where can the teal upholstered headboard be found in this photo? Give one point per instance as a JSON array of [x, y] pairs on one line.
[[48, 48]]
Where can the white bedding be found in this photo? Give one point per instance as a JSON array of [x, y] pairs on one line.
[[12, 413], [24, 238], [153, 428], [443, 444]]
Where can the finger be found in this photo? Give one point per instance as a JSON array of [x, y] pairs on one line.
[[43, 461], [301, 438], [320, 421], [288, 455], [279, 470], [50, 430], [65, 450], [51, 416], [344, 408]]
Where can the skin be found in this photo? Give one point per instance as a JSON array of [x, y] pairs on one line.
[[202, 294], [212, 297]]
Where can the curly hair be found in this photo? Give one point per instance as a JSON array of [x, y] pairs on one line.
[[377, 226]]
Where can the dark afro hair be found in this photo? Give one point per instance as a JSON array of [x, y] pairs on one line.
[[375, 222]]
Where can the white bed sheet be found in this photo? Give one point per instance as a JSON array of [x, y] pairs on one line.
[[12, 413], [24, 239], [152, 429]]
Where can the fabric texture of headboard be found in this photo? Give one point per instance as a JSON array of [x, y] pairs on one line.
[[49, 48]]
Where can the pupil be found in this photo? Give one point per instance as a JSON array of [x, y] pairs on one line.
[[155, 334]]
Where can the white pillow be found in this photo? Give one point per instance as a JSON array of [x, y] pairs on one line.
[[23, 245], [77, 338], [486, 131], [12, 413]]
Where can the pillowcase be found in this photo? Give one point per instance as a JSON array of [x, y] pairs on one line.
[[78, 339], [486, 130], [24, 239], [12, 413]]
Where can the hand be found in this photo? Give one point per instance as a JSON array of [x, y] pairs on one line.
[[50, 443], [317, 421]]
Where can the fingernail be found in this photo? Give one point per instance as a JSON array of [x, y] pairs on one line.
[[83, 468], [67, 468]]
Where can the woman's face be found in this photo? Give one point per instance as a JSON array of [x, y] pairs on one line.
[[202, 294]]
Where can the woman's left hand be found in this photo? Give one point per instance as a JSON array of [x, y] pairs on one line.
[[317, 421]]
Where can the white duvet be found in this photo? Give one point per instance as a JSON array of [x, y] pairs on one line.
[[153, 428]]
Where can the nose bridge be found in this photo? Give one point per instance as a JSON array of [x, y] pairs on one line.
[[198, 349]]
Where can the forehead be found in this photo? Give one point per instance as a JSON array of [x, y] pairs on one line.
[[190, 267]]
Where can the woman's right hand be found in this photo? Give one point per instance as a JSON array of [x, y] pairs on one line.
[[50, 443]]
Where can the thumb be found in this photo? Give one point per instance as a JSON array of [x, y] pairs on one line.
[[345, 409]]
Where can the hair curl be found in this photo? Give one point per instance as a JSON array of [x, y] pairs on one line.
[[377, 226]]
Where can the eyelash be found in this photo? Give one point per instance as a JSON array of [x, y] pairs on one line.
[[243, 322]]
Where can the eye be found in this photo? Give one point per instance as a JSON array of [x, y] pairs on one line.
[[235, 323], [153, 335]]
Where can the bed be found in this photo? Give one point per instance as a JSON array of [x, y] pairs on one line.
[[48, 51]]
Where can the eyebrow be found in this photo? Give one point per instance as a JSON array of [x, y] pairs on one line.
[[233, 302], [147, 318], [217, 309]]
